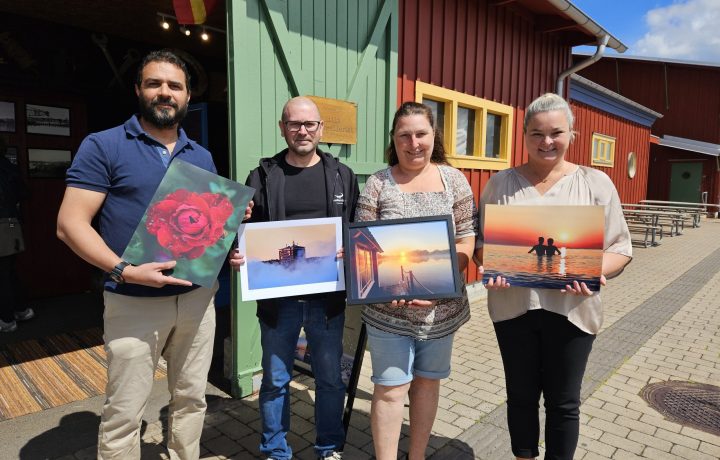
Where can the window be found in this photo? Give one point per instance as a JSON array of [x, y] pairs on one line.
[[632, 165], [603, 150], [477, 132], [365, 270]]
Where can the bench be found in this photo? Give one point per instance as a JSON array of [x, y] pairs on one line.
[[674, 219], [652, 234]]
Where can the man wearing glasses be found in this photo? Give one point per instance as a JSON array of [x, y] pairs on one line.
[[302, 182]]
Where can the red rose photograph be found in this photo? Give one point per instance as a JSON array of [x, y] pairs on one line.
[[186, 223], [193, 219]]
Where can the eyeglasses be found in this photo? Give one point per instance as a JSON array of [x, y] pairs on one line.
[[310, 126]]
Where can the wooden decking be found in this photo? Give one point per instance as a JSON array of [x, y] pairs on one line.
[[52, 371]]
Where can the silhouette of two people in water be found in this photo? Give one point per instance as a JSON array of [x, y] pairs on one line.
[[548, 250]]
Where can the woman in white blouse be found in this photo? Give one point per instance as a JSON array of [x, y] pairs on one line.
[[545, 335]]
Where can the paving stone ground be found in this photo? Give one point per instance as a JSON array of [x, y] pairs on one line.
[[662, 322]]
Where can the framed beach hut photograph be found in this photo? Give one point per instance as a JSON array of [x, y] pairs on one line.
[[44, 119], [544, 246], [291, 257], [401, 259]]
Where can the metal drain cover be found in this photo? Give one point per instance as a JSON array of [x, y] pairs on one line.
[[693, 404]]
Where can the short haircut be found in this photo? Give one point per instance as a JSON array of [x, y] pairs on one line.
[[298, 100], [163, 56], [548, 102]]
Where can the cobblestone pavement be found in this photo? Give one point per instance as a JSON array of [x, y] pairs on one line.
[[662, 323]]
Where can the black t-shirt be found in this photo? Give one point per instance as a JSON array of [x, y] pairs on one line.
[[305, 196]]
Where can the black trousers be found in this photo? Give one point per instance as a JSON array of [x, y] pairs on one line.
[[543, 352], [11, 298]]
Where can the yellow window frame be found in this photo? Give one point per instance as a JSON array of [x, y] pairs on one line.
[[603, 150], [454, 99]]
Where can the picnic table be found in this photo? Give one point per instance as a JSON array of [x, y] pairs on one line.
[[690, 214], [698, 208], [651, 222]]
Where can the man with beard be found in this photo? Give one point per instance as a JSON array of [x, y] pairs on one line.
[[302, 182], [148, 313]]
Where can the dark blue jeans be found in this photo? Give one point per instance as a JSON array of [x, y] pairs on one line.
[[543, 352], [278, 351]]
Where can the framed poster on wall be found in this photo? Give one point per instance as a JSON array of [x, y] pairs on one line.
[[48, 163], [7, 117], [44, 119]]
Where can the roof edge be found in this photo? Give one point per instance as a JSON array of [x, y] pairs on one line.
[[587, 23]]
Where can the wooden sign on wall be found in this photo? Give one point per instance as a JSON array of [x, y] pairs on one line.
[[340, 118]]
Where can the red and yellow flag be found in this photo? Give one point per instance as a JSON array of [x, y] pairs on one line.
[[193, 11]]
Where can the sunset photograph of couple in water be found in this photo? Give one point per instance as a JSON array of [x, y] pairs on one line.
[[544, 246]]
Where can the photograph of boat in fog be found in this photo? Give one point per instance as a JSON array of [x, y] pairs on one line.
[[401, 259], [291, 257], [544, 246]]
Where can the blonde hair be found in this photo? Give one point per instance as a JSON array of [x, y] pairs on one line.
[[549, 102]]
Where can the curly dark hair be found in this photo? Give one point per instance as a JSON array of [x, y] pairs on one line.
[[415, 108], [163, 56]]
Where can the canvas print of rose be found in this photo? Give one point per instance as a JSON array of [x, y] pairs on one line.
[[544, 246], [291, 257], [192, 219]]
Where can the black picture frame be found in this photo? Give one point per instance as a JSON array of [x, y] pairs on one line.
[[428, 240], [7, 117], [47, 120], [48, 163]]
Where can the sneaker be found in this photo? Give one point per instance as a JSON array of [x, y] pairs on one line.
[[8, 327], [334, 455], [25, 315]]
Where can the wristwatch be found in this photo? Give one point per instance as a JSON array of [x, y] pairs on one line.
[[116, 273]]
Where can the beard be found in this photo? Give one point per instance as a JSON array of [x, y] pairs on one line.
[[162, 117]]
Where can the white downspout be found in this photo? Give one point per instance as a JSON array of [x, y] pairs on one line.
[[602, 43]]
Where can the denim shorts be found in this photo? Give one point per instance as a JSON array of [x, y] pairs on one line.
[[397, 358]]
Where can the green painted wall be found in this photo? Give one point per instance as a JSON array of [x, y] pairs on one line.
[[277, 49]]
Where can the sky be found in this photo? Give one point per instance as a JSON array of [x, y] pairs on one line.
[[687, 30], [430, 236], [264, 243], [569, 226]]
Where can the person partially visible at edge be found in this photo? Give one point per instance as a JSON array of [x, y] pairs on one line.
[[411, 340], [302, 182], [551, 249], [539, 248], [148, 314], [546, 335], [13, 307]]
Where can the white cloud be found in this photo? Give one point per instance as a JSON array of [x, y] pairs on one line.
[[687, 29]]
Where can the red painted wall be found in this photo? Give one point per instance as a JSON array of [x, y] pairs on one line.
[[629, 137], [493, 52], [62, 271], [499, 52], [661, 167], [687, 95]]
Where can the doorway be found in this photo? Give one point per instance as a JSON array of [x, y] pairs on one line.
[[685, 181]]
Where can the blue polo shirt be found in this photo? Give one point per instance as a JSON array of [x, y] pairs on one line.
[[127, 165]]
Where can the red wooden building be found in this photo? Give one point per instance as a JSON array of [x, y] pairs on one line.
[[684, 162], [479, 63], [612, 135]]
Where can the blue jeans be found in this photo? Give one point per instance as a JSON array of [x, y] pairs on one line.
[[324, 338]]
